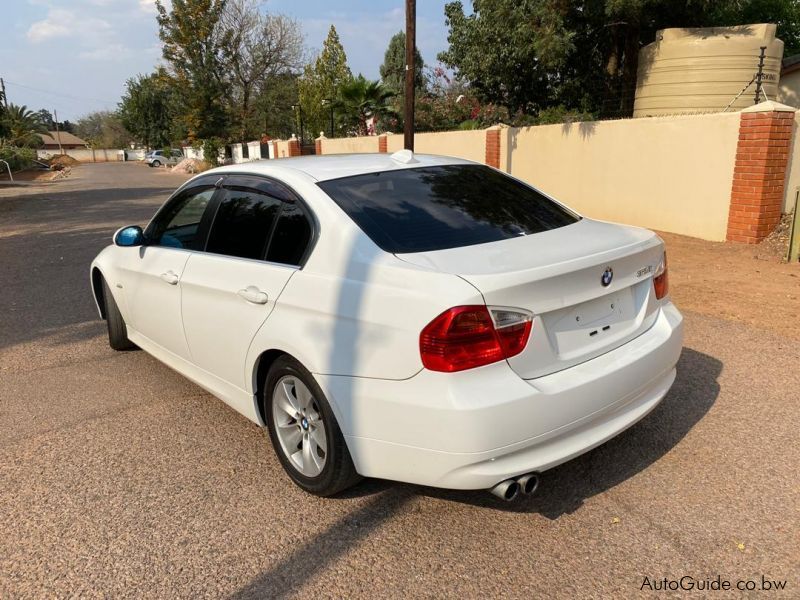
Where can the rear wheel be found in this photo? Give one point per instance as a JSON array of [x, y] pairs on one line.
[[117, 331], [304, 431], [155, 163]]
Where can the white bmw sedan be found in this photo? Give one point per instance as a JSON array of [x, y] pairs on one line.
[[416, 318]]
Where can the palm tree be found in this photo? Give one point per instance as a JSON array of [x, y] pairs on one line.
[[359, 99], [22, 126]]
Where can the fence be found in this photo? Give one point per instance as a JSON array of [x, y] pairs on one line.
[[94, 154]]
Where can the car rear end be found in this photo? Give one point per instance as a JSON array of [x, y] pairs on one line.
[[576, 339]]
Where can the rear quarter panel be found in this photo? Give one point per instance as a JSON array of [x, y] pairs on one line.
[[359, 312]]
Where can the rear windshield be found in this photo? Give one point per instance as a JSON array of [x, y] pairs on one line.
[[434, 208]]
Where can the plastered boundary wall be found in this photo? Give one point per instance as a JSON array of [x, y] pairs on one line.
[[89, 154], [667, 173], [793, 169]]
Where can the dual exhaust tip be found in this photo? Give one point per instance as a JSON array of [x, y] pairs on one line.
[[511, 488]]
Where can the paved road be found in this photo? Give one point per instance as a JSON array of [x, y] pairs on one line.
[[120, 478]]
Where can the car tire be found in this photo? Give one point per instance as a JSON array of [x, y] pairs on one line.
[[337, 472], [155, 163], [117, 331]]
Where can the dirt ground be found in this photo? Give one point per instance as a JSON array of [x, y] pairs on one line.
[[738, 282]]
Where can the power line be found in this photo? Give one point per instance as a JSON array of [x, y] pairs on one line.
[[52, 93]]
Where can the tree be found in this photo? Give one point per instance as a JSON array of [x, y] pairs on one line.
[[320, 81], [273, 114], [147, 109], [22, 126], [359, 100], [103, 129], [583, 56], [393, 69], [46, 118], [258, 50], [193, 46]]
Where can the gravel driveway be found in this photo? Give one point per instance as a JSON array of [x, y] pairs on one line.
[[118, 477]]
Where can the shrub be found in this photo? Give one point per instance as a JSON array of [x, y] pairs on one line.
[[211, 148], [17, 158]]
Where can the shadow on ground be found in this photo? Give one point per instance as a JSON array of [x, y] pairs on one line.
[[563, 490]]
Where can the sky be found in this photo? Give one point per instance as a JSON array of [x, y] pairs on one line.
[[74, 56]]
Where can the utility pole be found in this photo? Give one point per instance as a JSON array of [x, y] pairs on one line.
[[3, 92], [411, 45], [58, 133]]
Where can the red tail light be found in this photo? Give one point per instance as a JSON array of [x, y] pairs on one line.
[[465, 337], [661, 279]]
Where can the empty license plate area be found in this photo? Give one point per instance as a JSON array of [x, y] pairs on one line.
[[585, 327]]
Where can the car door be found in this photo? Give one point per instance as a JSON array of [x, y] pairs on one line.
[[258, 237], [154, 271]]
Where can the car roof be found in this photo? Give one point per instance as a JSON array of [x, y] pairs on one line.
[[334, 166]]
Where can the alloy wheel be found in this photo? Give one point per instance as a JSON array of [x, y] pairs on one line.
[[299, 426]]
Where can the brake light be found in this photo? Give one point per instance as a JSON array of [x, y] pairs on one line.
[[465, 337], [661, 279]]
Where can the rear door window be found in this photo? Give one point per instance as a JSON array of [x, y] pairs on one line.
[[291, 237], [448, 206], [243, 223]]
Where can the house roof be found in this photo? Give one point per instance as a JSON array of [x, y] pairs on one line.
[[790, 64], [67, 139]]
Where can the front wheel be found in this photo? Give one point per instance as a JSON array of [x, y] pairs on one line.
[[117, 331], [155, 163], [304, 431]]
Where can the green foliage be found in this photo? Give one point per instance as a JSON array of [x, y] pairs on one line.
[[22, 126], [273, 114], [358, 100], [211, 149], [321, 80], [530, 55], [103, 129], [393, 69], [148, 109], [17, 157], [560, 114], [193, 48]]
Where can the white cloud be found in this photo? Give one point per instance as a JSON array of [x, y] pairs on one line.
[[107, 52], [56, 24], [62, 23]]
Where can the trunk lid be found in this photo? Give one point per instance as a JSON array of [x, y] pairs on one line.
[[557, 276]]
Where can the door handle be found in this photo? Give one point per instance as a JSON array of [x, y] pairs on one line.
[[252, 294], [170, 277]]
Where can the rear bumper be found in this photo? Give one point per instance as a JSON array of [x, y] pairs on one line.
[[473, 429]]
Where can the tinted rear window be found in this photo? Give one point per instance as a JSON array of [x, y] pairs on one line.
[[434, 208]]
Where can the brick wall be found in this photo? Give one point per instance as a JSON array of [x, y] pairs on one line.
[[493, 147], [383, 143], [294, 147], [762, 155]]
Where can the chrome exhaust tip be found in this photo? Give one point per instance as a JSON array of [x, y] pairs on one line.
[[506, 490], [528, 484]]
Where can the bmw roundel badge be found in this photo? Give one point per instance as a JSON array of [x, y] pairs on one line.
[[607, 276]]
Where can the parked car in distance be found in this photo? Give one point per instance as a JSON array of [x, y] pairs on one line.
[[415, 318], [157, 158]]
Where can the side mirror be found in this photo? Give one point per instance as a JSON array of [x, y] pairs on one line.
[[129, 236]]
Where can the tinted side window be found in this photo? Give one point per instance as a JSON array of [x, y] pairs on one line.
[[178, 225], [291, 237], [243, 224]]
